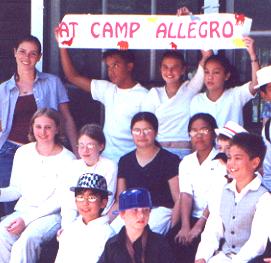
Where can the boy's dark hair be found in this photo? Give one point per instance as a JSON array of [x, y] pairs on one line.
[[127, 55], [79, 191], [173, 54], [252, 144]]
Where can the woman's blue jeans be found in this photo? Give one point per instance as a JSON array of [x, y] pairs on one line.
[[6, 160]]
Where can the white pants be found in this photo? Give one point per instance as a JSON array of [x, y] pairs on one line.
[[25, 248], [159, 221], [220, 258]]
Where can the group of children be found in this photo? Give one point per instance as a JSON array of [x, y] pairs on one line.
[[221, 104], [214, 209]]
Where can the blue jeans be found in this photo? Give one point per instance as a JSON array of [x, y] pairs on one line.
[[6, 160]]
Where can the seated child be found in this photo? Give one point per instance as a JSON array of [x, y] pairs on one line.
[[225, 134], [136, 242], [235, 232], [84, 239], [223, 140]]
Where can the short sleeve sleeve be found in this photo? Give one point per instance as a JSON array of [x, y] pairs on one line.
[[61, 92], [99, 88], [171, 165], [184, 178]]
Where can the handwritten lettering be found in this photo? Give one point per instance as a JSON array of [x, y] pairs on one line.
[[114, 30], [68, 29], [195, 29]]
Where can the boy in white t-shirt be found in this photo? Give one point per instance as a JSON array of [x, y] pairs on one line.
[[84, 239], [121, 96]]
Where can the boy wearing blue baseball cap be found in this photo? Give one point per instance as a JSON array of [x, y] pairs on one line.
[[136, 243], [84, 239]]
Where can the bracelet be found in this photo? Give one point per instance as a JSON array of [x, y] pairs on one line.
[[204, 217], [254, 60]]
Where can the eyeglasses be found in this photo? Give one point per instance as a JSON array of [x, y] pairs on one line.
[[88, 146], [90, 199], [203, 131], [137, 131]]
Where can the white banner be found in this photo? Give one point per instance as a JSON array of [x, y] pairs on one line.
[[209, 31]]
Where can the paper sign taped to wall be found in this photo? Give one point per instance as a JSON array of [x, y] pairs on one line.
[[208, 31]]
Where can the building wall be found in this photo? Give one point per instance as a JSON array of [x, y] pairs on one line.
[[15, 22]]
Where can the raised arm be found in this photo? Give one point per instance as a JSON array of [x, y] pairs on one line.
[[69, 126], [69, 70], [250, 44], [204, 55]]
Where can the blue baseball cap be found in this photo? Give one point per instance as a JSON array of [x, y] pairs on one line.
[[134, 198]]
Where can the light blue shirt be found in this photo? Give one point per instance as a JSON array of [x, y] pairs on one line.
[[48, 91]]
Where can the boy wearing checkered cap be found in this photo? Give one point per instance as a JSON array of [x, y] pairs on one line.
[[84, 239]]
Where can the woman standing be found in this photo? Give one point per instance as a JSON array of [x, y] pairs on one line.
[[153, 168], [34, 182], [20, 96]]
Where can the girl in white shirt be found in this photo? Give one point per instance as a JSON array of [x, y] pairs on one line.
[[219, 100], [34, 180], [91, 143], [171, 102]]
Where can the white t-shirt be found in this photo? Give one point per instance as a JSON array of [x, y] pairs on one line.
[[196, 179], [173, 113], [84, 243], [34, 181], [229, 107], [69, 177], [120, 106], [267, 159]]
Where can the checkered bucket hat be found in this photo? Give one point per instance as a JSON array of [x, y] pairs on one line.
[[92, 181]]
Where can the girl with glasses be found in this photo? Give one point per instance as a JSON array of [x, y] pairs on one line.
[[151, 167], [91, 143], [197, 172]]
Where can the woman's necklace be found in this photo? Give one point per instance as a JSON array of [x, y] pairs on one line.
[[25, 87]]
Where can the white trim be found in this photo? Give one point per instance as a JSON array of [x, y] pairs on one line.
[[37, 23]]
